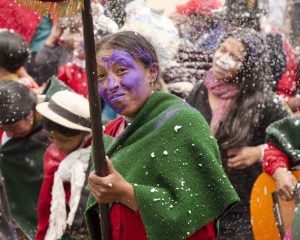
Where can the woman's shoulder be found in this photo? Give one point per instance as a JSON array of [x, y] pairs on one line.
[[181, 113], [274, 109]]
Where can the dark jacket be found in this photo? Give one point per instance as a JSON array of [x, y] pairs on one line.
[[21, 163], [5, 218], [236, 223]]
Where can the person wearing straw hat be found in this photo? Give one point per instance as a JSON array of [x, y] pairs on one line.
[[66, 161]]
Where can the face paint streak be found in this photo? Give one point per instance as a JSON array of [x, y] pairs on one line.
[[131, 84], [144, 55]]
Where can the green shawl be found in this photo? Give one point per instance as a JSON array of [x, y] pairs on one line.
[[171, 158], [285, 135], [21, 163]]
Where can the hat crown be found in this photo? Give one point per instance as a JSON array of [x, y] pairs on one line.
[[72, 102]]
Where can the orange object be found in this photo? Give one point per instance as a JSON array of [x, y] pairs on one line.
[[261, 209]]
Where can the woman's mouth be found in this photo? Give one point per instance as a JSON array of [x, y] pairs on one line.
[[220, 69], [115, 96]]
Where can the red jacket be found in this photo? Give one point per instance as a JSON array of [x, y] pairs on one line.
[[274, 158], [127, 224], [52, 159], [287, 85], [75, 77]]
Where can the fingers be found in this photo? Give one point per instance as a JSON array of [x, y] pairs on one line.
[[110, 167], [236, 162], [95, 180], [233, 160], [285, 194], [286, 186], [232, 152], [100, 189]]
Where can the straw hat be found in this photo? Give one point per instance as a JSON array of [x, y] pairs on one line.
[[67, 109]]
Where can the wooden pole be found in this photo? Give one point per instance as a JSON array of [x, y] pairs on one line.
[[95, 111]]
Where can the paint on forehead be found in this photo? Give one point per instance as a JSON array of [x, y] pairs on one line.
[[125, 58], [144, 55], [121, 57]]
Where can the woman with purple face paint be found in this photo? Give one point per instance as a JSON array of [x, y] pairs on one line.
[[165, 179], [236, 101]]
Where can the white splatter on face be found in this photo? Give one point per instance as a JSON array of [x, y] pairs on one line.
[[228, 59]]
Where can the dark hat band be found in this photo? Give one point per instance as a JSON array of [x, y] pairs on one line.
[[74, 118]]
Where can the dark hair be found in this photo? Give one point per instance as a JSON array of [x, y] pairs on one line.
[[16, 101], [134, 43], [13, 51], [53, 126], [254, 79]]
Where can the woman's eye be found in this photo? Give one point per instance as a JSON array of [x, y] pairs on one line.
[[101, 76], [121, 71]]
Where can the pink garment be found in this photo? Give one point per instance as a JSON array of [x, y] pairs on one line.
[[288, 235], [225, 92]]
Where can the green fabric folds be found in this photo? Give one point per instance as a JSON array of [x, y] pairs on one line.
[[21, 163], [171, 158], [53, 86], [284, 134]]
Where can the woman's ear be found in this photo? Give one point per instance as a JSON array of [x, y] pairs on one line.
[[153, 70]]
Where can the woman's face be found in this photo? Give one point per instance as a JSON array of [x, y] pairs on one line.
[[64, 143], [19, 129], [227, 60], [124, 82]]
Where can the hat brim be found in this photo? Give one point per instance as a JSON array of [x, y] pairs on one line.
[[46, 112]]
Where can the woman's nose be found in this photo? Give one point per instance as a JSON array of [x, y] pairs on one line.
[[112, 82]]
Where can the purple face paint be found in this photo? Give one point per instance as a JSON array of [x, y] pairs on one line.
[[144, 56], [124, 87]]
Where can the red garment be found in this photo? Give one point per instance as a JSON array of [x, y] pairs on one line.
[[274, 158], [287, 85], [52, 159], [203, 7], [19, 18], [75, 77], [127, 224]]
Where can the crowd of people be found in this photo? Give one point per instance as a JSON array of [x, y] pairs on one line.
[[195, 107]]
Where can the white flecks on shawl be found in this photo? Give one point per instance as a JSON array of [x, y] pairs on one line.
[[177, 127], [153, 190]]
